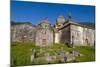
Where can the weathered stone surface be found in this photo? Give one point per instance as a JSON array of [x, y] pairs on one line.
[[74, 34], [22, 33], [44, 34], [75, 53], [61, 56], [41, 35], [32, 58], [67, 32], [81, 36], [59, 24]]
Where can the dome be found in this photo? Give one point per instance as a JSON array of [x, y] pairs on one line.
[[60, 19]]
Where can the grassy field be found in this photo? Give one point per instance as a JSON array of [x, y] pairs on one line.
[[21, 52]]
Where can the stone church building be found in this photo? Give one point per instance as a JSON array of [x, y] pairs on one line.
[[44, 34], [73, 34], [66, 32]]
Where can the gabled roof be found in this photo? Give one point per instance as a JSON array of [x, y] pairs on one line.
[[82, 24]]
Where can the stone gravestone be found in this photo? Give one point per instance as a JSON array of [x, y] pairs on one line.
[[62, 56], [33, 55], [66, 53], [62, 53], [32, 58], [75, 53], [47, 57], [66, 56]]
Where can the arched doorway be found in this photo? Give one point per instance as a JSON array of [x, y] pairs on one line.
[[87, 41], [72, 44]]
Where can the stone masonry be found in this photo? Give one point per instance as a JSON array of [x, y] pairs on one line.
[[74, 34], [67, 32]]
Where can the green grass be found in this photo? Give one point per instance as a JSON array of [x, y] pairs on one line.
[[21, 52], [88, 52]]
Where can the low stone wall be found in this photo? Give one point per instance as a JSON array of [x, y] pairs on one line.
[[64, 56]]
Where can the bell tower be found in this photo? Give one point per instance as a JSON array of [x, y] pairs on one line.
[[59, 23]]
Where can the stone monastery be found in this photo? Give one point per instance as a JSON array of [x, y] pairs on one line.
[[66, 32]]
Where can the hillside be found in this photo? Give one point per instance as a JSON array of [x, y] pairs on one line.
[[21, 53]]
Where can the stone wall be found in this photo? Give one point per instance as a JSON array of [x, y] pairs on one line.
[[59, 23], [68, 33], [74, 34], [81, 36], [65, 36], [41, 35], [22, 33], [65, 56], [89, 36], [44, 34]]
